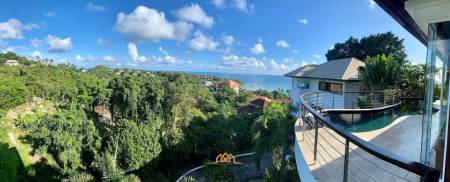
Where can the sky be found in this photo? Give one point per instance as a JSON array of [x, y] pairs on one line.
[[236, 36]]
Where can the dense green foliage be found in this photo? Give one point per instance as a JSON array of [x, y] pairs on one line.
[[370, 46], [161, 123], [273, 133], [380, 72]]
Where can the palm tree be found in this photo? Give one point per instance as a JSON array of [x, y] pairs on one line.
[[272, 132], [380, 72]]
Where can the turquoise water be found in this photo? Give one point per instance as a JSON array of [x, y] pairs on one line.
[[374, 121], [255, 82]]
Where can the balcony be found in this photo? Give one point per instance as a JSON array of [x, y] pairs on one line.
[[370, 139]]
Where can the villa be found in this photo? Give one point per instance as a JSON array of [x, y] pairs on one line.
[[12, 63], [387, 145], [339, 77], [231, 84]]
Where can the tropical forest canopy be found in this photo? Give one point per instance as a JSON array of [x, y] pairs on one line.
[[369, 46], [119, 125]]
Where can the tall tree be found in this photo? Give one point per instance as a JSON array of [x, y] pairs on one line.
[[370, 46], [272, 131], [380, 72]]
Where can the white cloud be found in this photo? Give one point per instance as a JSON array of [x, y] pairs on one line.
[[303, 21], [133, 53], [228, 40], [108, 58], [95, 7], [56, 44], [79, 58], [163, 51], [282, 44], [218, 3], [258, 48], [304, 63], [202, 42], [36, 43], [372, 4], [102, 42], [169, 60], [277, 66], [317, 56], [36, 54], [244, 6], [242, 62], [295, 51], [149, 24], [13, 28], [194, 13], [8, 49], [49, 14]]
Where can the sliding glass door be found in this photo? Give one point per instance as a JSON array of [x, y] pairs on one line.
[[434, 126]]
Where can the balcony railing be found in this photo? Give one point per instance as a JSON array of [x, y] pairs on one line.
[[337, 155]]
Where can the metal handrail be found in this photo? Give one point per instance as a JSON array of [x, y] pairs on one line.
[[427, 173]]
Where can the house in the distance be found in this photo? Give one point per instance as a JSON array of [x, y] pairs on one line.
[[260, 102], [12, 63], [334, 76], [231, 84]]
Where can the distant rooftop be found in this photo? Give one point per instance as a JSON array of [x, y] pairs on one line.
[[339, 69]]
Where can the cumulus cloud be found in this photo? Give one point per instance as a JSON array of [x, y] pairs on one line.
[[79, 58], [168, 60], [282, 44], [36, 55], [258, 48], [242, 62], [277, 66], [372, 4], [108, 58], [244, 6], [195, 14], [295, 51], [218, 3], [95, 7], [56, 44], [202, 42], [133, 53], [228, 40], [303, 21], [13, 29], [149, 24], [36, 43], [317, 56]]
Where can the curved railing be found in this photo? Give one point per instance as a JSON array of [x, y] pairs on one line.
[[369, 160]]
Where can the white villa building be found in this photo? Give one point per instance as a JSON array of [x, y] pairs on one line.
[[11, 63], [334, 76]]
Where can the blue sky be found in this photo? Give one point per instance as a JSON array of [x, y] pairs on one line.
[[242, 36]]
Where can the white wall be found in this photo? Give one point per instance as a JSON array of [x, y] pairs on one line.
[[325, 99]]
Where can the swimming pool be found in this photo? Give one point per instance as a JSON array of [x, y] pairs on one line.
[[377, 120]]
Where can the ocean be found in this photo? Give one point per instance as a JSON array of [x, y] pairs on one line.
[[255, 82]]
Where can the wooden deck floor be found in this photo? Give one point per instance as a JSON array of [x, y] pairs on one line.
[[401, 137]]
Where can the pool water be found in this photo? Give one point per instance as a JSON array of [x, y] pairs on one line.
[[373, 121]]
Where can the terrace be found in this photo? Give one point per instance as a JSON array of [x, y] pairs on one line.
[[375, 143]]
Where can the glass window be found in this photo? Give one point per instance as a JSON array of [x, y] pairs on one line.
[[436, 97], [330, 87], [305, 85]]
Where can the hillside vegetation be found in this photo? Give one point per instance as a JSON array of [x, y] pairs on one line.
[[113, 125]]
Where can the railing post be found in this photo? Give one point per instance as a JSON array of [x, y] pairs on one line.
[[333, 100], [316, 137], [317, 102], [347, 146]]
